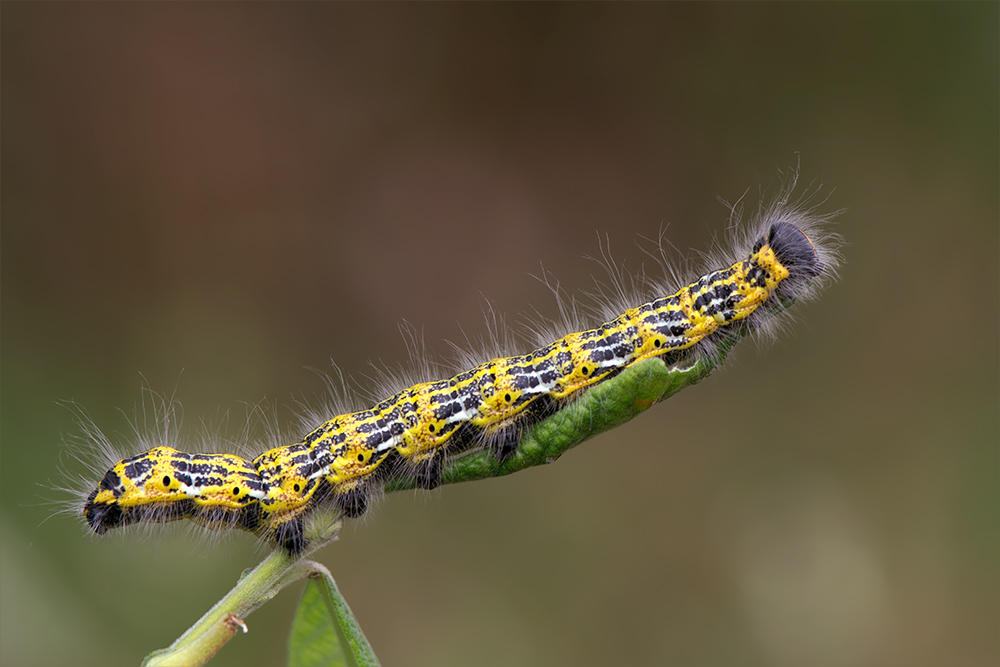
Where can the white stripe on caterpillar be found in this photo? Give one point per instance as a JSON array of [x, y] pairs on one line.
[[788, 255]]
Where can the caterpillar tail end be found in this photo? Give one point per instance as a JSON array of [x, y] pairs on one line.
[[795, 251]]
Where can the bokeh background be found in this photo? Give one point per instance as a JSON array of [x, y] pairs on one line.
[[244, 191]]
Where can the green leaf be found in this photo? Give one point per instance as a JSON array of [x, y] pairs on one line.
[[598, 409], [325, 632], [313, 641]]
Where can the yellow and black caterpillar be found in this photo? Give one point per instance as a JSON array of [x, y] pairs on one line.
[[345, 459]]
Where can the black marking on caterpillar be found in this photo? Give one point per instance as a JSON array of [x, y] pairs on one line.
[[788, 255]]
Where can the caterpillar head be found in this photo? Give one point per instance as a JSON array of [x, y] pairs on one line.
[[101, 509], [135, 489]]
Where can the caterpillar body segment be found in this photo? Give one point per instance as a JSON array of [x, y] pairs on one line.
[[164, 484], [344, 460]]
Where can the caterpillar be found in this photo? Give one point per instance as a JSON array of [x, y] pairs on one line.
[[344, 460]]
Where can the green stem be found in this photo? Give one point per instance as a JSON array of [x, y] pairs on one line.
[[599, 409], [204, 639]]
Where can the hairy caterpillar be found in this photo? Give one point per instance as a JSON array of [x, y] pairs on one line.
[[344, 460]]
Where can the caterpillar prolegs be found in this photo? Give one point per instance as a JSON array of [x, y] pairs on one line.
[[412, 432]]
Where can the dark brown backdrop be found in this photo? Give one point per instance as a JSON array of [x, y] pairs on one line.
[[241, 191]]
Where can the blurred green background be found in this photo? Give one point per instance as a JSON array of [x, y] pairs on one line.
[[244, 191]]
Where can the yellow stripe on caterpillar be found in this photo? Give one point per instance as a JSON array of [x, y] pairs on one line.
[[164, 484], [343, 460]]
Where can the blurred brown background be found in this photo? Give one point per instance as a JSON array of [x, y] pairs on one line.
[[242, 191]]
